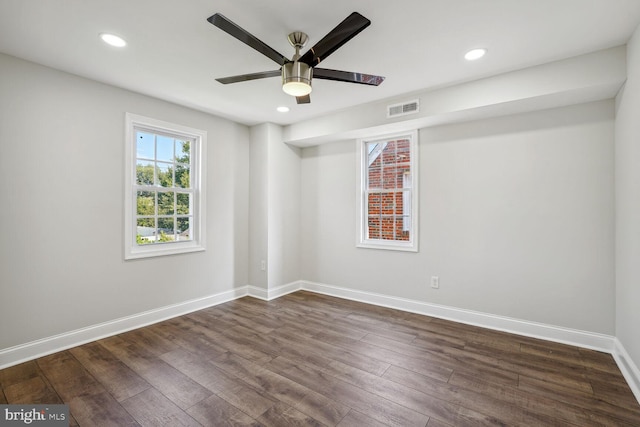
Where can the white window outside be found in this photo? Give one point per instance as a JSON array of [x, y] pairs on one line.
[[164, 188], [388, 192]]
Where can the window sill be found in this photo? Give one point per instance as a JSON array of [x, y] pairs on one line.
[[162, 250], [408, 247]]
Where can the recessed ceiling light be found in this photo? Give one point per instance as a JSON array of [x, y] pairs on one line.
[[283, 109], [474, 54], [113, 40]]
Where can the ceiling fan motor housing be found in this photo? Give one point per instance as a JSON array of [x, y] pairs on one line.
[[296, 78]]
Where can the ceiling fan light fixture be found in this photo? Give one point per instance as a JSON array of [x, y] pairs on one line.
[[297, 88], [296, 78]]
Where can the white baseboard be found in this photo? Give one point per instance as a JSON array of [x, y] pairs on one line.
[[569, 336], [32, 350], [256, 292], [42, 347], [628, 368], [269, 294]]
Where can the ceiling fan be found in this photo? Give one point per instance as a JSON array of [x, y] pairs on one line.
[[298, 71]]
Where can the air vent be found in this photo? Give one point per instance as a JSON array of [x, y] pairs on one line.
[[410, 107]]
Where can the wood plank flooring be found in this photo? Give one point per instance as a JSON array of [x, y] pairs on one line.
[[312, 360]]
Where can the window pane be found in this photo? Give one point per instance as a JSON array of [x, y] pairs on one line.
[[164, 147], [146, 203], [166, 204], [399, 200], [406, 210], [183, 152], [400, 232], [388, 203], [183, 206], [184, 229], [404, 173], [147, 223], [374, 203], [145, 145], [387, 228], [183, 176], [144, 173], [374, 149], [374, 178], [403, 151], [145, 231], [164, 172], [389, 154], [389, 177], [374, 227], [165, 230], [406, 227]]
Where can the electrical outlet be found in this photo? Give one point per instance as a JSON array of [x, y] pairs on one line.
[[263, 265], [435, 282]]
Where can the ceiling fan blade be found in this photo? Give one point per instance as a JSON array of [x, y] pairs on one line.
[[306, 99], [345, 31], [252, 76], [347, 76], [250, 40]]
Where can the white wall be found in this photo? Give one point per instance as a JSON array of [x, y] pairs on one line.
[[516, 219], [284, 210], [61, 214], [580, 79], [275, 208], [259, 203], [627, 163]]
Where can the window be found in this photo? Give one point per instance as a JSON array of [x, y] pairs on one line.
[[388, 193], [164, 202]]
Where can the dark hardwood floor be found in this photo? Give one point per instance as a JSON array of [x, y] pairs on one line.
[[309, 359]]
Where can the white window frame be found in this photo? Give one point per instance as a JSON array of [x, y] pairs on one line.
[[198, 179], [361, 181]]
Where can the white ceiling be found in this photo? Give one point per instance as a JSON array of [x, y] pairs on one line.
[[173, 53]]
